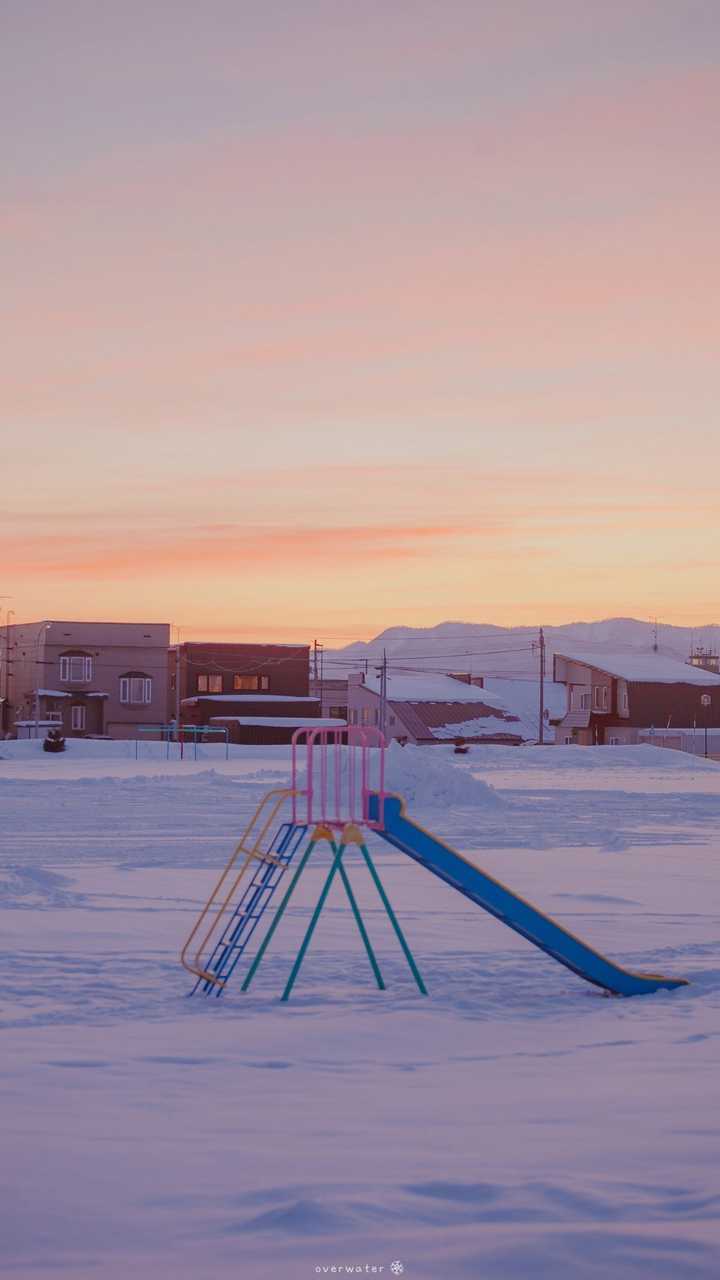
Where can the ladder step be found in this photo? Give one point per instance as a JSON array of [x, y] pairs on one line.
[[258, 893]]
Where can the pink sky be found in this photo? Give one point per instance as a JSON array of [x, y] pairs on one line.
[[322, 318]]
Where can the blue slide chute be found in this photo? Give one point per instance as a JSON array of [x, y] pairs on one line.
[[505, 905]]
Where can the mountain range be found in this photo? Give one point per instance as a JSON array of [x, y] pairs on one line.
[[488, 649]]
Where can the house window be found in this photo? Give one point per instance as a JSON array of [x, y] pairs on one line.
[[584, 701], [250, 684], [209, 684], [135, 688], [369, 715], [77, 718], [614, 742], [625, 702], [76, 668], [600, 697], [338, 713]]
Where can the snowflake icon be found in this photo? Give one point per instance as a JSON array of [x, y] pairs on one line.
[[397, 1268]]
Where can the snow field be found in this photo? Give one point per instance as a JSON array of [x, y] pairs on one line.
[[514, 1124]]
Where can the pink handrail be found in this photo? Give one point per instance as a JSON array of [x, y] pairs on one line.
[[360, 748]]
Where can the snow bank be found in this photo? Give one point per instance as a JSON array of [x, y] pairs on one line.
[[428, 779], [642, 756]]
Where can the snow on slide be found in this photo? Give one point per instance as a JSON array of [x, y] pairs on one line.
[[514, 911]]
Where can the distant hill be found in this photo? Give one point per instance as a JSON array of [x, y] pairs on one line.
[[486, 649]]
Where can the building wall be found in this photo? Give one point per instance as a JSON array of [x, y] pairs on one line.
[[333, 696], [673, 704], [116, 649]]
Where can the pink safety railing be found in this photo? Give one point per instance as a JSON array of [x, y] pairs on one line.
[[334, 772]]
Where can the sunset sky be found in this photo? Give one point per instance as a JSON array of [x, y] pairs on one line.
[[323, 316]]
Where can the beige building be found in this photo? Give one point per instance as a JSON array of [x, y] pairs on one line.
[[90, 679]]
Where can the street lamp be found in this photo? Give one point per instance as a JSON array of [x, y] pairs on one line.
[[5, 707], [44, 628], [706, 702]]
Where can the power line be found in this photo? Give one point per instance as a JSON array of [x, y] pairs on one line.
[[417, 657]]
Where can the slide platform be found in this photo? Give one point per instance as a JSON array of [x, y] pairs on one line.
[[505, 905]]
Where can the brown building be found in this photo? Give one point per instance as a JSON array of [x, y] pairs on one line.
[[612, 697], [259, 692]]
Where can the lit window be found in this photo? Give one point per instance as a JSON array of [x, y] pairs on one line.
[[209, 684], [135, 688], [77, 718], [338, 713], [250, 684], [76, 668]]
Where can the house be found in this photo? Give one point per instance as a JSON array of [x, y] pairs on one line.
[[333, 695], [89, 679], [260, 693], [426, 708], [612, 697]]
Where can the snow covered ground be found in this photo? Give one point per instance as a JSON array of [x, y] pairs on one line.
[[513, 1124]]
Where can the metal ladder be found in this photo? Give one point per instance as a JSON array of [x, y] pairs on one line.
[[251, 907]]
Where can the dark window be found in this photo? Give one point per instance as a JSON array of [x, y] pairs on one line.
[[338, 713], [209, 684]]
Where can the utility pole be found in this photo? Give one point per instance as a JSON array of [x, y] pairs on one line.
[[706, 702], [541, 725], [315, 660], [383, 693]]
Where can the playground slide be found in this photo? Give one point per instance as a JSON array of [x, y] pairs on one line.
[[514, 911]]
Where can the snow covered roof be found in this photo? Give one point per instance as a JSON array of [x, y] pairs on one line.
[[419, 687], [480, 727], [244, 697], [282, 722], [522, 698], [63, 693], [641, 668]]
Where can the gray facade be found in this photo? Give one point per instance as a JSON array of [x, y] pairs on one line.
[[90, 679]]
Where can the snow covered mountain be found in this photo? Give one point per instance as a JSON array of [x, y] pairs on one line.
[[486, 649]]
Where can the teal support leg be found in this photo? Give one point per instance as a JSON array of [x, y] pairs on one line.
[[361, 926], [311, 927], [393, 920], [278, 917]]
